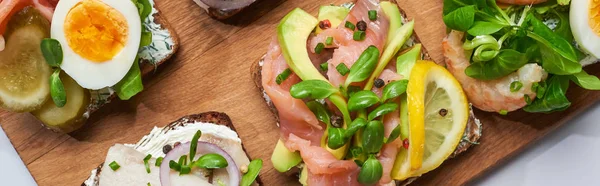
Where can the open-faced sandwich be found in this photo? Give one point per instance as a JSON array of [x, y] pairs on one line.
[[522, 54], [62, 60], [223, 9], [355, 102], [201, 149]]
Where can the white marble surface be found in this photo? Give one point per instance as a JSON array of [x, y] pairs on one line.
[[12, 169], [568, 156]]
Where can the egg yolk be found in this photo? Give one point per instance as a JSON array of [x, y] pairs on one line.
[[595, 16], [95, 31]]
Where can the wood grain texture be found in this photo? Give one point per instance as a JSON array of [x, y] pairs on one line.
[[211, 72]]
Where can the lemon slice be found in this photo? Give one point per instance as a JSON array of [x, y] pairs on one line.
[[437, 101]]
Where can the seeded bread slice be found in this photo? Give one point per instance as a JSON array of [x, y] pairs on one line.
[[216, 118], [470, 137]]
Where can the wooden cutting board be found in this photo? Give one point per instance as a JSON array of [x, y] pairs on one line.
[[211, 72]]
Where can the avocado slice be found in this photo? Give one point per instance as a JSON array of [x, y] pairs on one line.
[[284, 159], [292, 34], [335, 15], [407, 60], [393, 13], [304, 176]]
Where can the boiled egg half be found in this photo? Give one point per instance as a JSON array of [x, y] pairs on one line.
[[585, 25], [100, 39]]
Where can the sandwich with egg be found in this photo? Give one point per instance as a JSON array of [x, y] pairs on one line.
[[200, 149], [63, 60], [357, 99]]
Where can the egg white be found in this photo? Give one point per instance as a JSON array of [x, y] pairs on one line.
[[93, 75], [584, 35]]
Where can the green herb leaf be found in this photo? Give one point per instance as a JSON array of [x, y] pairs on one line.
[[394, 89], [131, 84], [356, 151], [335, 138], [57, 89], [554, 63], [324, 66], [382, 110], [584, 80], [554, 98], [394, 135], [211, 161], [371, 171], [546, 37], [185, 169], [362, 100], [320, 111], [253, 170], [158, 161], [146, 39], [356, 125], [174, 165], [372, 137], [114, 165], [146, 164], [460, 19], [314, 89], [146, 10], [364, 66], [484, 28], [506, 62], [194, 145], [52, 52]]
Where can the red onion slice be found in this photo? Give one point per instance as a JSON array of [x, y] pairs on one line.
[[202, 148], [227, 4]]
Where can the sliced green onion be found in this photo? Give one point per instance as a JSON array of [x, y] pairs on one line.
[[174, 165], [342, 69], [185, 170], [319, 48], [359, 35], [158, 161], [515, 86], [149, 184], [146, 162], [114, 165], [324, 66], [350, 25], [372, 15], [503, 112], [329, 40], [283, 76], [194, 144], [527, 99], [182, 160]]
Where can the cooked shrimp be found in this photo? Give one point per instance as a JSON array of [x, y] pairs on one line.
[[521, 2], [495, 95]]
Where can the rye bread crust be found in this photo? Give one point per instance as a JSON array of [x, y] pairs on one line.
[[213, 117], [470, 137]]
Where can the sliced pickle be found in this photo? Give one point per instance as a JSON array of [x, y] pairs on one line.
[[71, 116], [24, 74]]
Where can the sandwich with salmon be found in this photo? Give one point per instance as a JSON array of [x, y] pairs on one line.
[[357, 100], [200, 149], [63, 60]]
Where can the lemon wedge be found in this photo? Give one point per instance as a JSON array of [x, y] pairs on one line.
[[438, 112]]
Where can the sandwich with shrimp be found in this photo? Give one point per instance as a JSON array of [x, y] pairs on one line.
[[63, 60], [356, 100], [200, 149], [511, 55]]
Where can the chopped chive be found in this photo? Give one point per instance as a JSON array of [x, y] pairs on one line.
[[342, 69], [503, 112], [182, 160], [372, 15], [319, 48], [527, 99], [146, 162], [515, 86], [149, 184], [359, 36], [174, 165], [283, 76], [185, 170], [114, 165], [194, 144], [349, 25], [324, 66], [329, 40], [158, 161]]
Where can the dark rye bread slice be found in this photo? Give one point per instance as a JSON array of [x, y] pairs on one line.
[[163, 46], [217, 118], [472, 132]]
